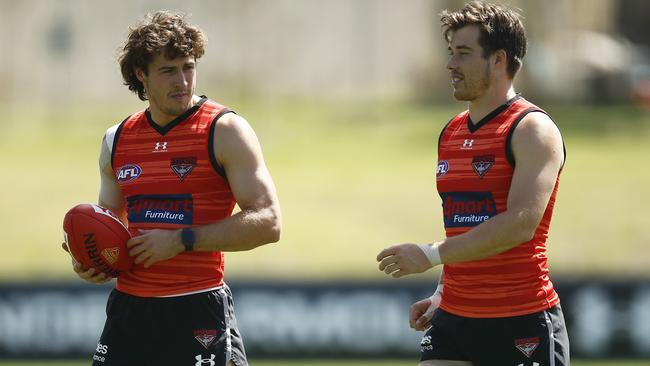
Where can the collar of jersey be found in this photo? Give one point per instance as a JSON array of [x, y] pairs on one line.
[[474, 127], [163, 130]]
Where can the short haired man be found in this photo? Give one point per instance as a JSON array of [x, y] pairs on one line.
[[498, 171]]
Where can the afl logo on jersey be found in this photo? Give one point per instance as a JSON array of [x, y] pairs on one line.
[[127, 173], [442, 169]]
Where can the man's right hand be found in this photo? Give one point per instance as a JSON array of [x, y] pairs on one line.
[[89, 274], [422, 312]]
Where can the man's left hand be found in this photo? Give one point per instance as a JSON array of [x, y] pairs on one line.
[[153, 246], [403, 259]]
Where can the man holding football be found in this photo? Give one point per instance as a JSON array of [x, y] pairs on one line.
[[498, 170], [174, 173]]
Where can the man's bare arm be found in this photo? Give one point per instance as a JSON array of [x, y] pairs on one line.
[[110, 195], [237, 149]]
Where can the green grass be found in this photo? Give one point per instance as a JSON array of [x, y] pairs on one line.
[[333, 362], [352, 179]]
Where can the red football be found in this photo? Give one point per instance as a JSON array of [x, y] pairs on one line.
[[96, 238]]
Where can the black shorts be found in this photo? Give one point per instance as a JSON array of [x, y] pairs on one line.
[[538, 339], [197, 329]]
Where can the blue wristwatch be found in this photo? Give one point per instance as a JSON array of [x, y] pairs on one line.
[[188, 239]]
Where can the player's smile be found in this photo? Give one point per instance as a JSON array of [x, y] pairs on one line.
[[456, 78]]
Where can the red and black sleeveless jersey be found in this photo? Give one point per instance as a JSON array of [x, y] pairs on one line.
[[473, 175], [171, 179]]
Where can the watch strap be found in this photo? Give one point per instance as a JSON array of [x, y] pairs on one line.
[[188, 239]]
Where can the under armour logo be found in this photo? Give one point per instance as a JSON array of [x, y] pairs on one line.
[[208, 361], [467, 144], [161, 146]]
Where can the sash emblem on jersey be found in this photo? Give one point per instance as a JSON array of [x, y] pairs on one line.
[[183, 166], [527, 345], [482, 164], [205, 336]]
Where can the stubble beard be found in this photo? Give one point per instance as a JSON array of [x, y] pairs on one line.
[[476, 89], [175, 111], [168, 108]]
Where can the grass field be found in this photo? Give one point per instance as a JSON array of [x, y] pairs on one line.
[[350, 182], [335, 362], [352, 178]]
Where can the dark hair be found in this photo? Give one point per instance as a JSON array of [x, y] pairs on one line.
[[501, 29], [160, 32]]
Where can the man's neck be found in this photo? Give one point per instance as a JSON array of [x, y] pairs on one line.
[[163, 119], [491, 100]]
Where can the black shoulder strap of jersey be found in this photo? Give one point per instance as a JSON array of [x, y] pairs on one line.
[[442, 132], [213, 159], [509, 154], [113, 146]]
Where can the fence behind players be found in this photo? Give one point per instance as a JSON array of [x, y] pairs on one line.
[[608, 318]]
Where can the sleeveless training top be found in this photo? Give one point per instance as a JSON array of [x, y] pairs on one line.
[[473, 175], [171, 179]]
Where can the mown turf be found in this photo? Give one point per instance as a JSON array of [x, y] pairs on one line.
[[352, 178]]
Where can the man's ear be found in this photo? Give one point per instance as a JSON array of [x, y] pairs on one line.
[[140, 74], [500, 58]]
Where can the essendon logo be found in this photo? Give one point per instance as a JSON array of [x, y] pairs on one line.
[[127, 173], [482, 164], [161, 208], [205, 336], [527, 345], [466, 209], [183, 166]]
